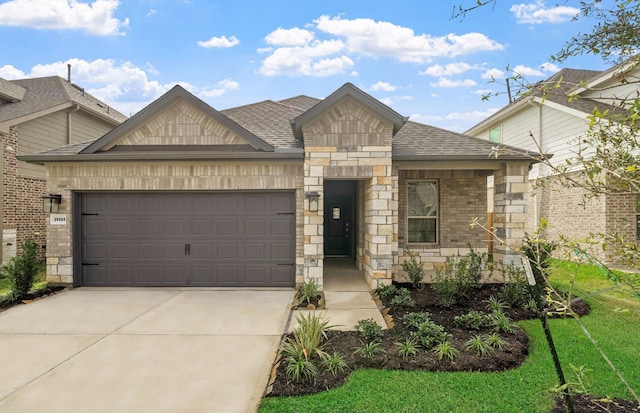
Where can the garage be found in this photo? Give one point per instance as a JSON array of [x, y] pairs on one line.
[[199, 239]]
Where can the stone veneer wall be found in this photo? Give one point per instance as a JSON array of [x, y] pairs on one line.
[[22, 216], [462, 197], [178, 176], [350, 142]]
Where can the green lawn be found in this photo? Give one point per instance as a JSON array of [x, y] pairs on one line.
[[614, 323]]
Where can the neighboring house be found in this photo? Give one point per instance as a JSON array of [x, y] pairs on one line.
[[182, 194], [36, 115], [553, 123]]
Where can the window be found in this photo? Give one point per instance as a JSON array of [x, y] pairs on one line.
[[422, 211], [495, 135], [638, 217]]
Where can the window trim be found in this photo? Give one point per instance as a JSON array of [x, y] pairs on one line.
[[436, 218]]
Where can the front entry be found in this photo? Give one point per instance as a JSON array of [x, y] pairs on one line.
[[339, 218]]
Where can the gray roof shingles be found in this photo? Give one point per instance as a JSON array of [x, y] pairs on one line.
[[47, 92], [270, 121]]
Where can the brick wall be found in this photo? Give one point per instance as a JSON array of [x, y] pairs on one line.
[[462, 197]]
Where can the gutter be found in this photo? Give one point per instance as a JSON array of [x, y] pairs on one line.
[[154, 156]]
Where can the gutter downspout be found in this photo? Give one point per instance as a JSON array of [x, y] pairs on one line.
[[536, 212], [75, 108]]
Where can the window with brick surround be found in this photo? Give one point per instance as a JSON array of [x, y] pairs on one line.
[[422, 212], [638, 217]]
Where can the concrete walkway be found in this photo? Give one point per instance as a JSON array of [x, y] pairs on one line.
[[141, 350], [347, 297]]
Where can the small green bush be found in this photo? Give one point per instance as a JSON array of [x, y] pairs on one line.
[[478, 344], [495, 304], [459, 277], [414, 270], [22, 270], [334, 363], [369, 330], [446, 349], [403, 299], [502, 323], [408, 348], [413, 320], [445, 288], [308, 292], [429, 334], [385, 291], [369, 350], [495, 341], [304, 346], [473, 320], [515, 288]]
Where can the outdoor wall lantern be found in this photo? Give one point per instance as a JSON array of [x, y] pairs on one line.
[[313, 198], [51, 203]]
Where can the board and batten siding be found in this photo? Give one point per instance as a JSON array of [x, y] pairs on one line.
[[50, 132]]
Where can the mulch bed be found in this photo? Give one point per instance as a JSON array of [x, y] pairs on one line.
[[32, 296], [587, 404], [345, 342]]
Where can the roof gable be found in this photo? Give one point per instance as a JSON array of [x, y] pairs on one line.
[[177, 118], [373, 105], [11, 92]]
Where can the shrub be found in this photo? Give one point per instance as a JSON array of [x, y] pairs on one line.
[[403, 299], [308, 292], [429, 334], [408, 348], [368, 350], [514, 290], [414, 270], [334, 363], [479, 344], [474, 320], [300, 349], [22, 270], [413, 320], [446, 349], [369, 330], [495, 304], [385, 291], [459, 277], [502, 323]]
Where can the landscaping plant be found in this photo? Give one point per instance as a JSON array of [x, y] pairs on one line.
[[446, 349], [407, 349], [403, 299], [413, 320], [22, 270], [369, 350], [385, 291], [308, 292], [479, 344], [429, 334], [369, 330], [304, 347], [414, 269], [334, 363]]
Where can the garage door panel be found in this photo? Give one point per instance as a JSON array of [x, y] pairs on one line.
[[183, 239]]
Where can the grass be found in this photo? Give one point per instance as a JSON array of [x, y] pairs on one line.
[[614, 323]]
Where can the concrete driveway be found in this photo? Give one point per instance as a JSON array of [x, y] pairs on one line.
[[137, 350]]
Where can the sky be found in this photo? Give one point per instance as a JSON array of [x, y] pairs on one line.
[[411, 55]]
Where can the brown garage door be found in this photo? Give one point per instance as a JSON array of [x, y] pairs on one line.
[[225, 239]]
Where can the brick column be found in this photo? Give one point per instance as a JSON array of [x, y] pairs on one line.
[[511, 192]]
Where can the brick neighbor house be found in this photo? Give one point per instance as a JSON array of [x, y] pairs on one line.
[[557, 123], [182, 194], [35, 115]]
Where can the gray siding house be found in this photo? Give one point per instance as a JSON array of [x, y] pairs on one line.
[[36, 115], [182, 194]]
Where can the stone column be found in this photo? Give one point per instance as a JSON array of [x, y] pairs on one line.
[[511, 191]]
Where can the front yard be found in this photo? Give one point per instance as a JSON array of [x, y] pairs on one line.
[[614, 322]]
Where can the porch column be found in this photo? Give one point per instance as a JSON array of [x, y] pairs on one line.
[[314, 221], [510, 204], [381, 222]]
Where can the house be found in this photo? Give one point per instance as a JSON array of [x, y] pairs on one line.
[[35, 115], [182, 194], [549, 121]]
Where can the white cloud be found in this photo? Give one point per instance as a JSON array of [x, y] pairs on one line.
[[95, 18], [536, 13], [549, 68], [455, 121], [289, 37], [122, 85], [386, 101], [447, 70], [491, 74], [223, 86], [383, 39], [527, 71], [483, 91], [313, 59], [10, 72], [220, 42], [384, 86], [451, 83], [151, 12]]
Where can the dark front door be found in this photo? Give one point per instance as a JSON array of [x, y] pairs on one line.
[[338, 218]]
